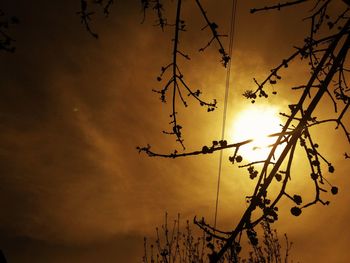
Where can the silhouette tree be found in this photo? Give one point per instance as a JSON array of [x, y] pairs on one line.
[[177, 245], [325, 51]]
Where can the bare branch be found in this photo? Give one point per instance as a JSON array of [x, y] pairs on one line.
[[225, 58], [277, 6]]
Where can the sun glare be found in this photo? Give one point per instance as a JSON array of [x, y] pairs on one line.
[[256, 122]]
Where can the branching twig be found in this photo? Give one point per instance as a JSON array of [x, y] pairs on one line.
[[277, 6], [225, 58]]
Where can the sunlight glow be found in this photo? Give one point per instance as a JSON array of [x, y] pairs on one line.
[[256, 122]]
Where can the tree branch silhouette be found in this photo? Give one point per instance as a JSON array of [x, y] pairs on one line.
[[225, 58], [176, 81], [264, 180], [177, 244], [325, 49], [86, 15], [327, 58], [277, 6]]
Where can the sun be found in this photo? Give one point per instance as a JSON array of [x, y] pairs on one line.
[[256, 122]]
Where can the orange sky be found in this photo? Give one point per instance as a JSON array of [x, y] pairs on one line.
[[73, 109]]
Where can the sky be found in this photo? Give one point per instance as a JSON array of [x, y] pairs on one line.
[[73, 109]]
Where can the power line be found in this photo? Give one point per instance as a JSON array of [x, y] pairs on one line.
[[227, 89]]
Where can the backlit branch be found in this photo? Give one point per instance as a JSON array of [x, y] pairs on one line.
[[86, 15], [274, 76], [216, 146], [225, 58], [265, 178], [277, 6], [158, 8], [176, 84], [325, 50]]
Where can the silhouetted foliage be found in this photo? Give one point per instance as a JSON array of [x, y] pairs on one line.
[[176, 80], [177, 244], [325, 51]]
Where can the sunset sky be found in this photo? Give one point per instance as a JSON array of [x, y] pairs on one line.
[[73, 187]]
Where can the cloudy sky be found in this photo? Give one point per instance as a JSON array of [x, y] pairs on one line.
[[73, 109]]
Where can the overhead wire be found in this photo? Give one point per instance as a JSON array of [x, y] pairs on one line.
[[227, 89]]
